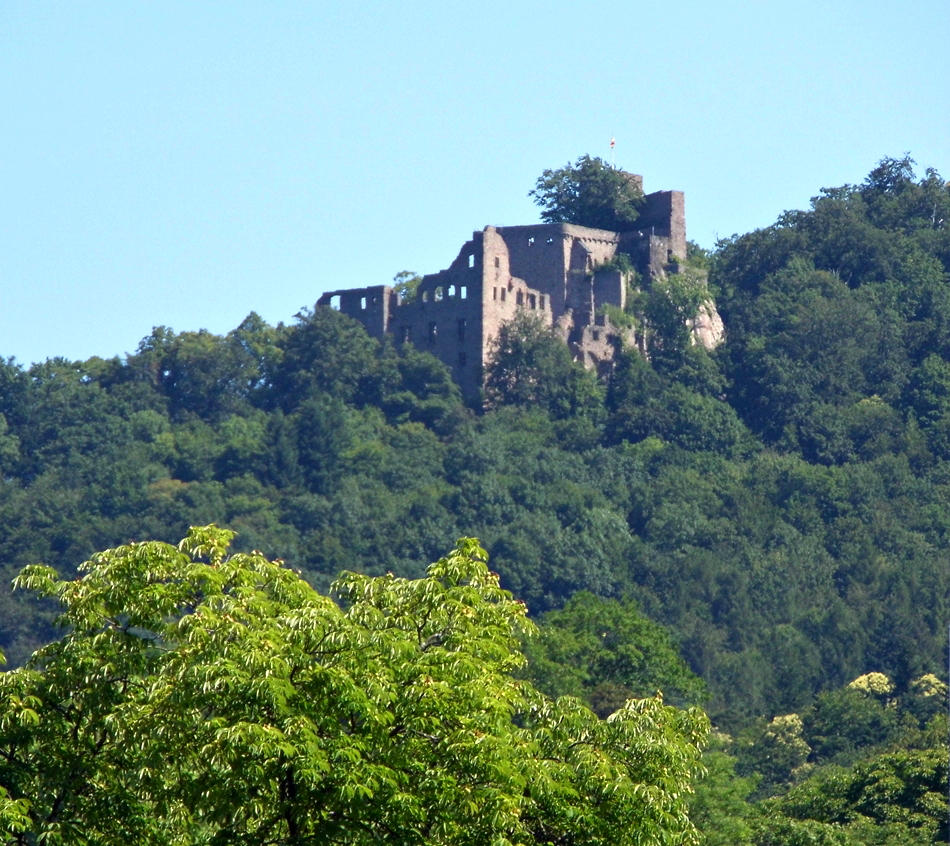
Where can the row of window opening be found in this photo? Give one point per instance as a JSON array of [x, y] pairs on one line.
[[440, 293], [433, 331], [437, 295], [533, 301]]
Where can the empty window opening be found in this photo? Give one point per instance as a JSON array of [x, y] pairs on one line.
[[531, 240], [532, 301], [406, 334], [462, 326], [494, 293], [596, 334], [542, 301], [437, 295], [463, 292], [549, 241], [520, 298], [451, 290], [471, 260], [363, 303], [433, 332], [425, 296], [335, 302], [497, 261], [502, 294]]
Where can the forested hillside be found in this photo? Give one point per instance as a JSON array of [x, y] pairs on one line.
[[781, 506]]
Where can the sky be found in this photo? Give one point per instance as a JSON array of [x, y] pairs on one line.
[[183, 164]]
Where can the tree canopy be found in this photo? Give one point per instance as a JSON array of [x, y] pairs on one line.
[[605, 652], [201, 696], [589, 192]]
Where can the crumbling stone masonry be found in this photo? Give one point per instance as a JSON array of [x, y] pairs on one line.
[[553, 270]]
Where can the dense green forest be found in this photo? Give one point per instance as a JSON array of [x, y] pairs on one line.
[[775, 513]]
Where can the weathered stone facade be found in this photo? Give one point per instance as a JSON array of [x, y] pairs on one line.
[[554, 270]]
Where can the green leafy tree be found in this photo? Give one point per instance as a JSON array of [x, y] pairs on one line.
[[671, 304], [405, 284], [776, 752], [720, 807], [326, 351], [423, 390], [201, 373], [204, 697], [643, 403], [589, 192], [891, 175], [893, 799], [531, 367], [606, 652], [842, 722]]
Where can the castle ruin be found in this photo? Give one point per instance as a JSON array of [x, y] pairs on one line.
[[559, 271]]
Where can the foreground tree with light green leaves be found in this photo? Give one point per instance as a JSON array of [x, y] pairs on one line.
[[204, 697]]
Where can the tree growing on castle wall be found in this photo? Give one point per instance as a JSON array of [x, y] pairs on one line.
[[405, 284], [590, 193]]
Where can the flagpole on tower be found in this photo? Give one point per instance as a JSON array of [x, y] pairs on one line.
[[613, 156]]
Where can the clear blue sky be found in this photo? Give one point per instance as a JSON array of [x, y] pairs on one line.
[[186, 163]]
